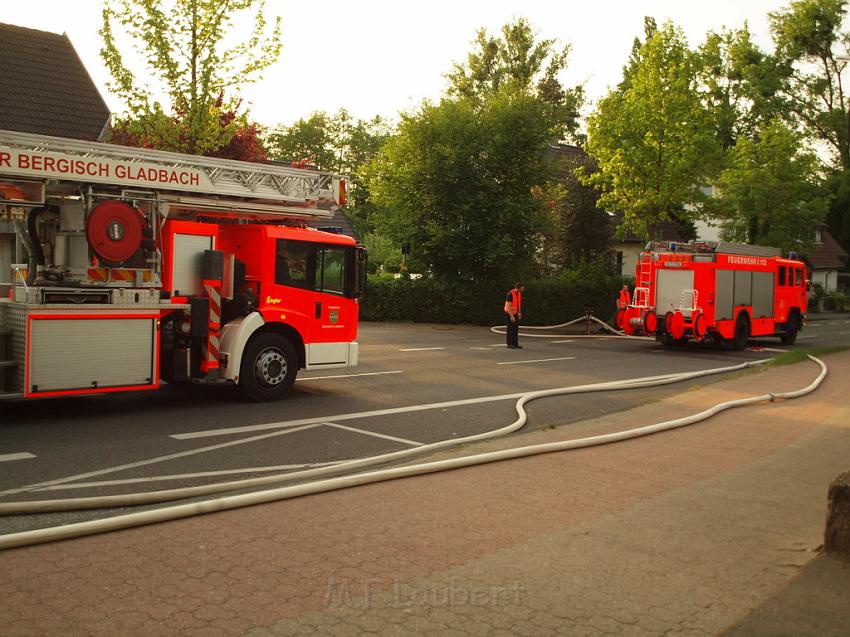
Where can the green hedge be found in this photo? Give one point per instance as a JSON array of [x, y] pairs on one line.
[[545, 302]]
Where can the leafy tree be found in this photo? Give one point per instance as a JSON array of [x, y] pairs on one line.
[[380, 250], [837, 187], [336, 143], [771, 190], [636, 57], [245, 144], [185, 51], [524, 64], [809, 41], [456, 182], [741, 84], [578, 231], [310, 140], [653, 137]]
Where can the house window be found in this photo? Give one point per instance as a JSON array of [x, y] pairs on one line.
[[619, 262]]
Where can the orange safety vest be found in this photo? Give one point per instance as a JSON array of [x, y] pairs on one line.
[[625, 299], [516, 301]]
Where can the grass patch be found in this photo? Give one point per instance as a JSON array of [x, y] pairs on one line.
[[797, 355]]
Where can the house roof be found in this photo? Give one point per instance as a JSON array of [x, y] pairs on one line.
[[46, 88], [828, 254], [338, 221]]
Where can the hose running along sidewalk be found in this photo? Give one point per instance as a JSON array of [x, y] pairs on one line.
[[321, 486]]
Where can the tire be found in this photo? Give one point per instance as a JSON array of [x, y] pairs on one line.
[[269, 366], [742, 333], [789, 336], [669, 342]]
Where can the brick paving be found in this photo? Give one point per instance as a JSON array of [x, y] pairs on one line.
[[683, 533]]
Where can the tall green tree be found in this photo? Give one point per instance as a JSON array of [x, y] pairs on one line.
[[457, 181], [653, 137], [523, 63], [338, 143], [191, 63], [741, 84], [578, 232], [812, 44], [314, 140], [771, 190]]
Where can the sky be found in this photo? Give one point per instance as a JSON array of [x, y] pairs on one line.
[[380, 57]]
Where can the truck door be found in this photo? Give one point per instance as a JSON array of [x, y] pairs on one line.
[[335, 314], [318, 307]]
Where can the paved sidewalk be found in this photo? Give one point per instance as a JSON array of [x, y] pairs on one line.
[[692, 532]]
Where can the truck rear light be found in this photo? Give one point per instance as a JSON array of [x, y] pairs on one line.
[[340, 192]]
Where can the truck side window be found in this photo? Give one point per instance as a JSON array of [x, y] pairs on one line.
[[798, 277], [332, 270], [295, 264], [782, 275]]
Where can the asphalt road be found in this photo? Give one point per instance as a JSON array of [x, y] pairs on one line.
[[182, 436]]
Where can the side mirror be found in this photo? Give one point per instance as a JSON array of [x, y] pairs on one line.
[[356, 278], [808, 284]]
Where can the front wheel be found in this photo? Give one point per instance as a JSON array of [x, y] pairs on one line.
[[742, 333], [269, 367], [789, 336]]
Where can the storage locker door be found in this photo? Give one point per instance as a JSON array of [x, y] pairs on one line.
[[90, 353]]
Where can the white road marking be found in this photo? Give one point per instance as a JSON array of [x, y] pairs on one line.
[[184, 476], [420, 349], [352, 416], [350, 375], [539, 360], [499, 345], [485, 349], [10, 457], [809, 336], [558, 342], [375, 434], [767, 349], [142, 463]]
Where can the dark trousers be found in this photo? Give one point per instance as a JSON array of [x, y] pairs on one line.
[[512, 332]]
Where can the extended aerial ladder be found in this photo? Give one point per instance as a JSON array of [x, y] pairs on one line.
[[275, 189]]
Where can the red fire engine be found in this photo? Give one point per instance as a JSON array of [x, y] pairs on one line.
[[147, 265], [720, 292]]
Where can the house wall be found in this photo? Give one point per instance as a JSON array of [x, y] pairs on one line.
[[708, 230], [827, 278], [629, 253]]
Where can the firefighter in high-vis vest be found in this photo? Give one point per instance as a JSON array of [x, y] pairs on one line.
[[625, 298], [513, 315]]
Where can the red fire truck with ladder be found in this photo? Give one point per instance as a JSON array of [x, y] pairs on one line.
[[147, 265], [722, 293]]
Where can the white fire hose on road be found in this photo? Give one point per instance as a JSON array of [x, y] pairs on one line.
[[26, 538], [612, 331]]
